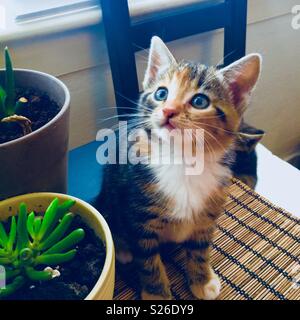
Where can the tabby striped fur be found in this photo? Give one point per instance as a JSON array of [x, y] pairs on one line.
[[146, 205]]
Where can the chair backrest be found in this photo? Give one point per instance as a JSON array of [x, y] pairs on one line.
[[124, 37]]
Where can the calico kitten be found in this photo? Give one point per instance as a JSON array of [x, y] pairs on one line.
[[148, 204], [244, 167]]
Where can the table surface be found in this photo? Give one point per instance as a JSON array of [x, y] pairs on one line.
[[255, 253]]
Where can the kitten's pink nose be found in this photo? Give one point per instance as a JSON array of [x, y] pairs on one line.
[[169, 112]]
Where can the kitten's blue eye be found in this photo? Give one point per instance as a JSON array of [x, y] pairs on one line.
[[200, 101], [161, 94]]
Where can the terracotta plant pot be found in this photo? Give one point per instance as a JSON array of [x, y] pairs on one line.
[[104, 288], [37, 162]]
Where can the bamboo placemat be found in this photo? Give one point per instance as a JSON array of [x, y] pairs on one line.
[[256, 253]]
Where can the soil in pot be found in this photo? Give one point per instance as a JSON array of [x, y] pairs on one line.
[[40, 109], [78, 277]]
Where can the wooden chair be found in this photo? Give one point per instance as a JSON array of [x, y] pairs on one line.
[[124, 37]]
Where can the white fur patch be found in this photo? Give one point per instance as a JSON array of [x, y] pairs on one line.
[[190, 193], [210, 291]]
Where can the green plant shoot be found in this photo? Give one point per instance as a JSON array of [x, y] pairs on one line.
[[10, 109], [33, 241]]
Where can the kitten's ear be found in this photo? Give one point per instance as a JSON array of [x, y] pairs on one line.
[[242, 76], [160, 58]]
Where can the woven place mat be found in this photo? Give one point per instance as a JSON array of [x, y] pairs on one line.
[[256, 253]]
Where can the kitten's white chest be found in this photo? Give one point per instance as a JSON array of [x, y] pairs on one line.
[[189, 193]]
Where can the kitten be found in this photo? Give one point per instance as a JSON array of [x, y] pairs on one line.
[[148, 204], [244, 167]]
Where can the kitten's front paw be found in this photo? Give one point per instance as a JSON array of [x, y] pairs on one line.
[[208, 291], [150, 296]]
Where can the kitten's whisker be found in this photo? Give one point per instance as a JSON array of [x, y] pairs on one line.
[[121, 116], [129, 127], [226, 56], [209, 148], [157, 56], [134, 102], [217, 128], [139, 47], [116, 108], [216, 140], [211, 152], [211, 135]]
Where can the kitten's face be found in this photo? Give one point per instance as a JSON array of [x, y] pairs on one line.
[[188, 95]]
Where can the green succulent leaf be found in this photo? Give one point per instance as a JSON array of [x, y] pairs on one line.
[[25, 255], [49, 218], [12, 287], [35, 275], [62, 210], [2, 102], [11, 273], [69, 241], [58, 232], [20, 105], [9, 84], [37, 225], [34, 240], [5, 261], [3, 236], [3, 253], [22, 234], [30, 222], [12, 234], [65, 207], [56, 258]]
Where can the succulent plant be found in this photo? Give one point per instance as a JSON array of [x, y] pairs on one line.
[[33, 241], [9, 107]]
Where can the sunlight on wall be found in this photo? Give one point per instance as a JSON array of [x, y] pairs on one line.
[[2, 17]]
